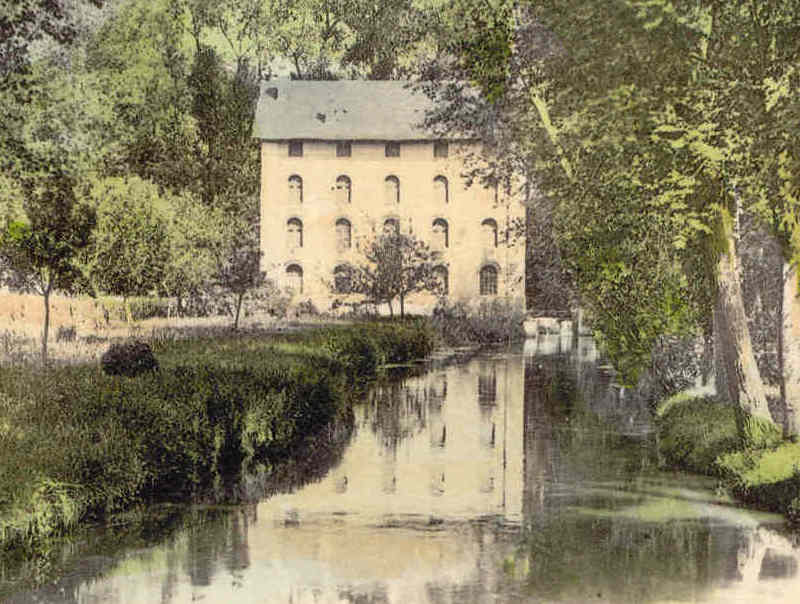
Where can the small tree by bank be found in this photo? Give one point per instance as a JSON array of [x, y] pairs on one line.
[[397, 265], [238, 265], [39, 253]]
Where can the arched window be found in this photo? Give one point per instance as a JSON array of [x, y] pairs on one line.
[[489, 229], [441, 234], [343, 189], [391, 226], [294, 230], [343, 234], [391, 190], [440, 189], [488, 281], [442, 277], [341, 279], [295, 189], [294, 278]]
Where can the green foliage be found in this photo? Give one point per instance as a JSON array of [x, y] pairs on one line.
[[481, 36], [768, 478], [196, 234], [354, 350], [757, 432], [39, 253], [793, 511], [130, 247], [694, 432], [376, 344]]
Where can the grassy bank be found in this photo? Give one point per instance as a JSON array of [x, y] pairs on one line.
[[79, 445], [699, 434]]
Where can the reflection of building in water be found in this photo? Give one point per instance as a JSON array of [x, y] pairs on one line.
[[487, 383], [443, 444]]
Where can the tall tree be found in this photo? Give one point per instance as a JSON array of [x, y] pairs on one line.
[[672, 141]]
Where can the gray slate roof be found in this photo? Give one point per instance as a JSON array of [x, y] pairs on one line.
[[341, 110]]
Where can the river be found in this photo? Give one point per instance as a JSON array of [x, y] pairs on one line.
[[515, 476]]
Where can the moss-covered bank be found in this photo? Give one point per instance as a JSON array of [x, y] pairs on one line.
[[78, 445], [699, 434]]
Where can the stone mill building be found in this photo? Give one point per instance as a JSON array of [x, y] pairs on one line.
[[343, 161]]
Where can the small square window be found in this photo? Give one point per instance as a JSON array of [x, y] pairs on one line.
[[343, 149], [295, 149], [440, 149], [392, 149]]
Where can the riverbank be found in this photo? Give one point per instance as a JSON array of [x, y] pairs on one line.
[[78, 445], [698, 434]]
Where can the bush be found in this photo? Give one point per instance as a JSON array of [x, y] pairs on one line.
[[355, 350], [493, 321], [693, 432], [129, 359]]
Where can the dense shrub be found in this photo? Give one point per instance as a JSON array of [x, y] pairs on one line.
[[129, 359], [693, 432], [492, 321]]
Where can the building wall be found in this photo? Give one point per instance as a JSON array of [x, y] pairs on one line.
[[469, 247]]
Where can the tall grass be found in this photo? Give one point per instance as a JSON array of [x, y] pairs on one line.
[[77, 444]]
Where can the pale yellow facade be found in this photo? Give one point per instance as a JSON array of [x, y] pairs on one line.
[[308, 202]]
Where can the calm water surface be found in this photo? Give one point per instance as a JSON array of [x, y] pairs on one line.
[[514, 477]]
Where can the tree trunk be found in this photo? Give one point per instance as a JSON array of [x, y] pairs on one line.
[[789, 350], [745, 388], [718, 361], [402, 306], [391, 309], [239, 300], [46, 326]]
